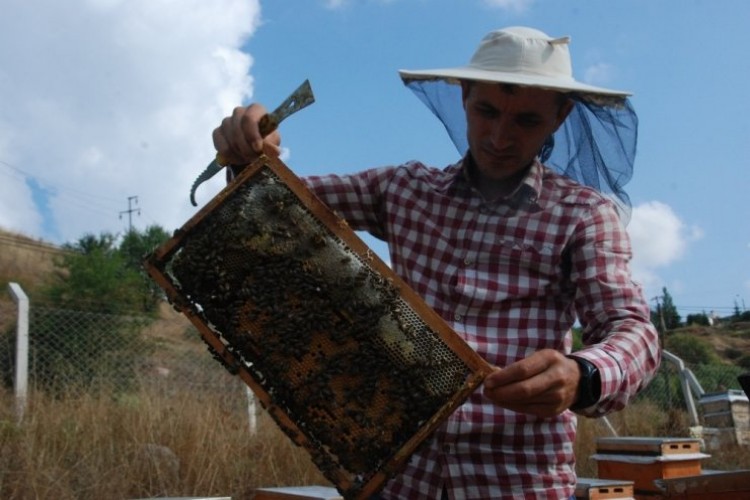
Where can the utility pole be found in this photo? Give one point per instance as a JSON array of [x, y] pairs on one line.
[[131, 200]]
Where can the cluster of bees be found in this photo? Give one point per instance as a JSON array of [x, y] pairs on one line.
[[331, 341]]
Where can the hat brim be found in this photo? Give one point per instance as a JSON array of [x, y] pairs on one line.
[[455, 75]]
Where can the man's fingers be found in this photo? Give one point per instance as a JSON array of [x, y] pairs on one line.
[[544, 384], [516, 372], [247, 124], [220, 143], [242, 133], [238, 140]]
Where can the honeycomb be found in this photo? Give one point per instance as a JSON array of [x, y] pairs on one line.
[[348, 360]]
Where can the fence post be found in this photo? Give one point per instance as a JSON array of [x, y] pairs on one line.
[[251, 411], [22, 349]]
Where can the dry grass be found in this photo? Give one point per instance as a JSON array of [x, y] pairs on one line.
[[25, 260], [198, 444], [643, 419], [94, 447]]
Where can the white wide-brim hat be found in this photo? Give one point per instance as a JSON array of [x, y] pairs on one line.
[[595, 145], [521, 56]]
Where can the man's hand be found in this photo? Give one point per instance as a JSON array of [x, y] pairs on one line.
[[238, 140], [545, 384]]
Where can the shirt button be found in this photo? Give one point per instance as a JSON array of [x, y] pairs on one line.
[[457, 317], [468, 261]]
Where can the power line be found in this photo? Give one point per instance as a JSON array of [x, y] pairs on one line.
[[704, 308], [70, 195]]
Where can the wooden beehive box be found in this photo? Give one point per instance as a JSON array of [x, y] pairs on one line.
[[603, 489], [644, 460], [729, 413], [710, 485], [348, 360]]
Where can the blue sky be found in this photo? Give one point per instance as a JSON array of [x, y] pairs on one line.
[[107, 99]]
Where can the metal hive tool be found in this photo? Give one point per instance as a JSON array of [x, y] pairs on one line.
[[347, 359]]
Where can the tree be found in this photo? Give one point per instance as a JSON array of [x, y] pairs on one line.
[[94, 276], [135, 245], [134, 248], [697, 319], [666, 314]]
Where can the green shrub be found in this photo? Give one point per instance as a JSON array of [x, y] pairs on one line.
[[697, 319], [693, 350]]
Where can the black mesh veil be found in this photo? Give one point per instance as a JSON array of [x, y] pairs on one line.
[[595, 146]]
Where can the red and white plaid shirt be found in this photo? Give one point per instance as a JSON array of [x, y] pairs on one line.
[[510, 277]]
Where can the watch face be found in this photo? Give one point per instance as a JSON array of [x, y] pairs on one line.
[[589, 387]]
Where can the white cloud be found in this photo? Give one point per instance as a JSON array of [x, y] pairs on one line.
[[17, 211], [285, 154], [657, 234], [511, 5], [659, 238], [109, 99], [335, 4], [599, 74]]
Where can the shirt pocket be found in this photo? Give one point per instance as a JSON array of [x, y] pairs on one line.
[[510, 271]]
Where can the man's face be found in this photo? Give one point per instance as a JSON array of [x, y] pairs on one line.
[[506, 126]]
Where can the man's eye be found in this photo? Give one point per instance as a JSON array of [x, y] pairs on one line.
[[487, 112], [528, 121]]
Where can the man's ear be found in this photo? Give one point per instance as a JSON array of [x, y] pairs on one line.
[[465, 89], [564, 111]]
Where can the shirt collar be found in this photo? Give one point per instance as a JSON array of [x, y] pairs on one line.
[[528, 190]]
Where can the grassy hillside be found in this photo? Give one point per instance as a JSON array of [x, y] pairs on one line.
[[728, 344], [24, 260], [170, 439]]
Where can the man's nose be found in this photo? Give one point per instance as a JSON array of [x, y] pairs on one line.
[[503, 131]]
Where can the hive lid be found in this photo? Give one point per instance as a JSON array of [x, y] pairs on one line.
[[648, 445]]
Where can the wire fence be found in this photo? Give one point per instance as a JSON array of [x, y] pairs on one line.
[[74, 351]]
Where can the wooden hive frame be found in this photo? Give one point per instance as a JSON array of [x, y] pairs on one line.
[[360, 403]]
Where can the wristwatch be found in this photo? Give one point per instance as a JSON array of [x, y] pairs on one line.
[[590, 385]]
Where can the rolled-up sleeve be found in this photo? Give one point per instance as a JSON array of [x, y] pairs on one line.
[[618, 335]]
